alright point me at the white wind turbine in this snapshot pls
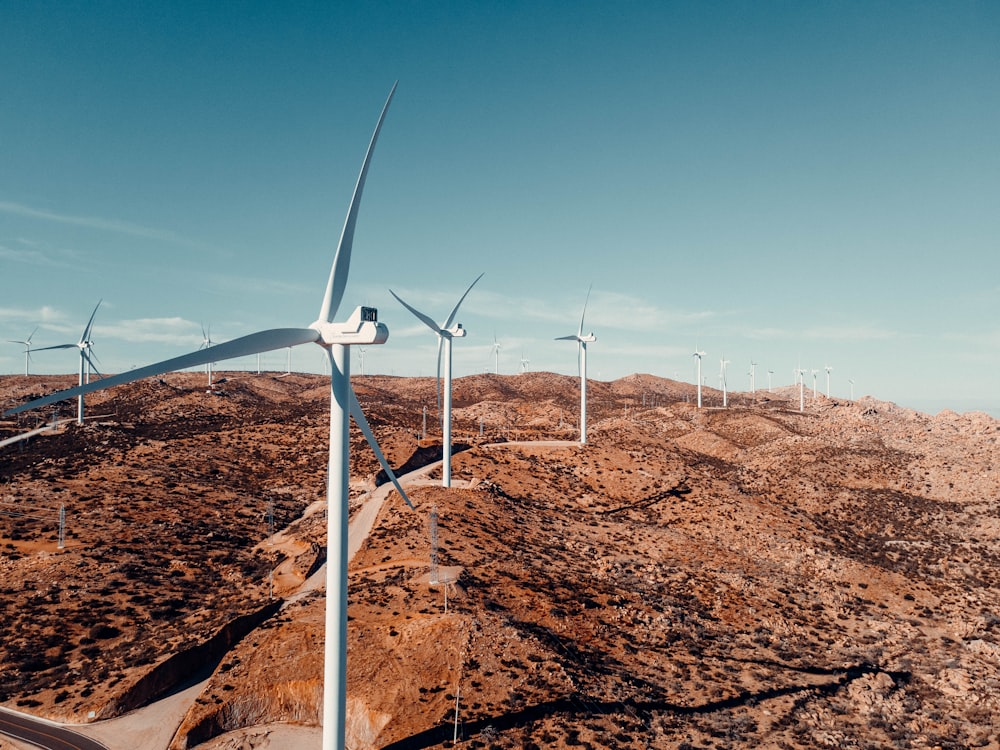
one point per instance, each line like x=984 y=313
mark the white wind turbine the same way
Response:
x=27 y=348
x=582 y=342
x=722 y=380
x=524 y=362
x=363 y=328
x=799 y=373
x=496 y=355
x=753 y=376
x=769 y=374
x=698 y=355
x=814 y=383
x=852 y=389
x=86 y=359
x=206 y=342
x=445 y=333
x=828 y=371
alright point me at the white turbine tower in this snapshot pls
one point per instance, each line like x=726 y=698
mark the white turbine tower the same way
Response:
x=361 y=328
x=445 y=333
x=524 y=362
x=27 y=348
x=698 y=355
x=722 y=380
x=814 y=383
x=582 y=342
x=769 y=374
x=852 y=389
x=753 y=376
x=799 y=372
x=828 y=371
x=86 y=359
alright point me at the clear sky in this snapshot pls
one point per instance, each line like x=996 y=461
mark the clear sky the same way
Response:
x=784 y=182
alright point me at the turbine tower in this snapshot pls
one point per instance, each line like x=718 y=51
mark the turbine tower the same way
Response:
x=86 y=359
x=524 y=362
x=852 y=389
x=799 y=372
x=445 y=333
x=582 y=342
x=753 y=376
x=698 y=355
x=361 y=328
x=828 y=371
x=27 y=349
x=814 y=383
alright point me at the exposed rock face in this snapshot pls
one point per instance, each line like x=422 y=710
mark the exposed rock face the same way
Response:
x=745 y=577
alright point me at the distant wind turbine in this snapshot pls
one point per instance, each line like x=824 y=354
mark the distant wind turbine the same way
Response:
x=206 y=342
x=814 y=383
x=445 y=333
x=852 y=389
x=753 y=376
x=524 y=362
x=27 y=348
x=496 y=355
x=361 y=328
x=698 y=355
x=828 y=370
x=582 y=342
x=85 y=344
x=769 y=374
x=722 y=380
x=802 y=398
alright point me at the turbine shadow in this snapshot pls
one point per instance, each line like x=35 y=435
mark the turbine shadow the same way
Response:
x=581 y=705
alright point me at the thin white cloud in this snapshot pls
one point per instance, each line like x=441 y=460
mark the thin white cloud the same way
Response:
x=174 y=331
x=94 y=222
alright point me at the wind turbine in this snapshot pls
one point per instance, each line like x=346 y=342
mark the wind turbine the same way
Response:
x=769 y=374
x=86 y=362
x=698 y=355
x=753 y=376
x=361 y=353
x=852 y=389
x=361 y=328
x=828 y=370
x=722 y=379
x=799 y=372
x=27 y=348
x=496 y=355
x=582 y=342
x=524 y=362
x=445 y=332
x=206 y=342
x=814 y=383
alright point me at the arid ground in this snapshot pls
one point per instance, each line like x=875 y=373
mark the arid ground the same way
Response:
x=753 y=576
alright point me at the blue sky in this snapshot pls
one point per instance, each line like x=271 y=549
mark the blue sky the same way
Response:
x=783 y=182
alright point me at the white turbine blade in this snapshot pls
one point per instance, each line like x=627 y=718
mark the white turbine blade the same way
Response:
x=337 y=282
x=574 y=337
x=366 y=430
x=263 y=341
x=86 y=331
x=580 y=333
x=454 y=312
x=57 y=346
x=90 y=361
x=437 y=377
x=425 y=319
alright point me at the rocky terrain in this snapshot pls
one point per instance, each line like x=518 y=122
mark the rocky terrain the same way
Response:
x=753 y=576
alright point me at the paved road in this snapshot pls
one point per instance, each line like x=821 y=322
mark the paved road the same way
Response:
x=43 y=734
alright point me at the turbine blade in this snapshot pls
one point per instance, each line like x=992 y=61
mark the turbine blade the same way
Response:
x=86 y=331
x=585 y=309
x=263 y=341
x=366 y=430
x=451 y=318
x=568 y=338
x=342 y=260
x=425 y=319
x=90 y=361
x=57 y=346
x=437 y=378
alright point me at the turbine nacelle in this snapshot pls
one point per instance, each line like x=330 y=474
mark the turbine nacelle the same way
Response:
x=361 y=328
x=455 y=332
